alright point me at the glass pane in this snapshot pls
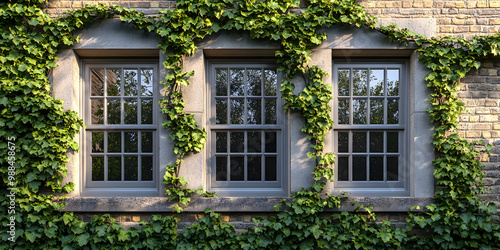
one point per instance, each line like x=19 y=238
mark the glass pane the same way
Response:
x=376 y=168
x=221 y=111
x=114 y=142
x=254 y=82
x=97 y=110
x=221 y=142
x=393 y=111
x=343 y=78
x=98 y=168
x=97 y=142
x=254 y=111
x=221 y=168
x=271 y=168
x=237 y=142
x=130 y=88
x=359 y=142
x=147 y=82
x=377 y=82
x=359 y=111
x=147 y=142
x=270 y=142
x=377 y=142
x=147 y=168
x=392 y=142
x=114 y=113
x=359 y=168
x=114 y=168
x=343 y=112
x=270 y=111
x=114 y=81
x=97 y=82
x=131 y=171
x=221 y=82
x=392 y=168
x=343 y=165
x=236 y=80
x=270 y=82
x=254 y=168
x=147 y=111
x=237 y=168
x=254 y=142
x=376 y=111
x=237 y=111
x=130 y=111
x=359 y=84
x=343 y=142
x=131 y=142
x=393 y=82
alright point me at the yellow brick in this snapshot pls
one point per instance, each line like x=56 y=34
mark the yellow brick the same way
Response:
x=406 y=4
x=428 y=3
x=495 y=21
x=380 y=5
x=471 y=5
x=488 y=118
x=460 y=5
x=446 y=29
x=486 y=134
x=482 y=4
x=155 y=5
x=136 y=218
x=473 y=134
x=449 y=4
x=495 y=4
x=458 y=21
x=496 y=126
x=418 y=5
x=475 y=29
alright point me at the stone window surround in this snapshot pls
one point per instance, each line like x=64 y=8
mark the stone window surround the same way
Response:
x=115 y=39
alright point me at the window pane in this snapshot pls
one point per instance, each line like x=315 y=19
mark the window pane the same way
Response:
x=270 y=142
x=376 y=111
x=131 y=142
x=114 y=113
x=271 y=168
x=236 y=80
x=343 y=85
x=392 y=111
x=237 y=142
x=270 y=111
x=221 y=168
x=377 y=142
x=254 y=142
x=147 y=142
x=97 y=142
x=98 y=168
x=113 y=82
x=114 y=168
x=221 y=111
x=97 y=110
x=343 y=112
x=343 y=171
x=392 y=168
x=237 y=110
x=359 y=168
x=343 y=142
x=359 y=84
x=147 y=111
x=130 y=88
x=254 y=168
x=114 y=142
x=376 y=168
x=254 y=82
x=97 y=82
x=254 y=111
x=147 y=168
x=359 y=111
x=221 y=142
x=392 y=142
x=377 y=82
x=393 y=82
x=130 y=111
x=147 y=82
x=221 y=82
x=237 y=168
x=359 y=142
x=131 y=171
x=270 y=82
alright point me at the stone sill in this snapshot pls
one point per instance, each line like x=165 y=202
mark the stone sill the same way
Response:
x=228 y=204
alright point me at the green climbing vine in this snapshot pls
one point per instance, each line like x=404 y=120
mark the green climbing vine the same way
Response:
x=37 y=133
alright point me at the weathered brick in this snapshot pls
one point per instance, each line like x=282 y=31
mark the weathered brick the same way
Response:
x=492 y=72
x=496 y=126
x=136 y=218
x=474 y=118
x=482 y=4
x=495 y=4
x=486 y=134
x=474 y=134
x=481 y=126
x=488 y=118
x=460 y=4
x=490 y=103
x=458 y=21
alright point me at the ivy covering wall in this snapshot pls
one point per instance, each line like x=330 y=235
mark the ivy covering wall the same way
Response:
x=37 y=133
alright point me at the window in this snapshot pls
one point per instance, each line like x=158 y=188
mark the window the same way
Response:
x=370 y=128
x=247 y=130
x=120 y=119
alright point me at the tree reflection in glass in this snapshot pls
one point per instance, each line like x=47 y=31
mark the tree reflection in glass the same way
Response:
x=392 y=111
x=130 y=82
x=270 y=82
x=97 y=82
x=343 y=112
x=114 y=168
x=254 y=168
x=131 y=142
x=147 y=111
x=237 y=86
x=97 y=109
x=147 y=142
x=147 y=82
x=237 y=110
x=130 y=111
x=376 y=111
x=237 y=140
x=221 y=111
x=254 y=80
x=113 y=82
x=237 y=168
x=343 y=82
x=270 y=112
x=221 y=82
x=98 y=168
x=359 y=109
x=97 y=142
x=359 y=82
x=131 y=170
x=114 y=111
x=377 y=82
x=254 y=111
x=393 y=82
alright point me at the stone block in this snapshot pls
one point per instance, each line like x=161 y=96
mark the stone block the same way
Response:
x=136 y=218
x=495 y=4
x=482 y=4
x=488 y=118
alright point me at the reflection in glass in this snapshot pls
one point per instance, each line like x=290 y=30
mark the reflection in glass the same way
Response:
x=377 y=142
x=221 y=142
x=254 y=168
x=254 y=142
x=392 y=168
x=97 y=110
x=343 y=142
x=237 y=142
x=359 y=111
x=221 y=168
x=147 y=168
x=254 y=111
x=343 y=171
x=392 y=142
x=97 y=142
x=254 y=82
x=270 y=142
x=236 y=80
x=221 y=82
x=114 y=168
x=97 y=82
x=98 y=168
x=359 y=82
x=237 y=110
x=114 y=111
x=376 y=111
x=377 y=82
x=270 y=168
x=393 y=82
x=343 y=85
x=147 y=82
x=114 y=142
x=113 y=82
x=221 y=111
x=130 y=111
x=147 y=111
x=131 y=170
x=392 y=111
x=359 y=168
x=131 y=142
x=237 y=168
x=270 y=82
x=130 y=86
x=147 y=142
x=359 y=142
x=376 y=168
x=270 y=111
x=343 y=112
